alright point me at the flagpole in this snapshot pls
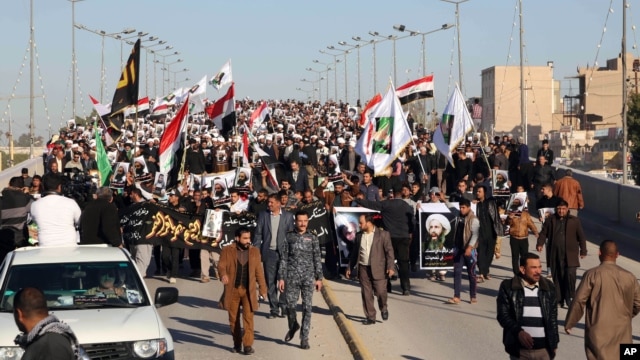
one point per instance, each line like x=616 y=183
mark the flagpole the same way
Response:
x=186 y=145
x=135 y=135
x=408 y=129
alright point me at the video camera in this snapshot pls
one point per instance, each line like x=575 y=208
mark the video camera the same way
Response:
x=78 y=186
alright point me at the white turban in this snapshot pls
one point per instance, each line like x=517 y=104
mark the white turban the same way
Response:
x=446 y=225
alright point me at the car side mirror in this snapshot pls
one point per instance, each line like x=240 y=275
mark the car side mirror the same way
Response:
x=165 y=296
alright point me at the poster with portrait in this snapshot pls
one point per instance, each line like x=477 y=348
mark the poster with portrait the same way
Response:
x=119 y=177
x=195 y=182
x=160 y=182
x=333 y=169
x=213 y=223
x=517 y=203
x=436 y=237
x=500 y=182
x=242 y=178
x=353 y=113
x=544 y=213
x=346 y=222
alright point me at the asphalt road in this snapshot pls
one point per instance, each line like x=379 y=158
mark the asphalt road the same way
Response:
x=200 y=329
x=420 y=326
x=423 y=326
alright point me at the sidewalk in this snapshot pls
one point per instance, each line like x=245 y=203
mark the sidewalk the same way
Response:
x=423 y=326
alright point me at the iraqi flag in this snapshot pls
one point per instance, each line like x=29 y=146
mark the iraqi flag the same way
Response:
x=259 y=115
x=103 y=110
x=160 y=107
x=143 y=105
x=386 y=134
x=416 y=90
x=171 y=144
x=371 y=105
x=223 y=112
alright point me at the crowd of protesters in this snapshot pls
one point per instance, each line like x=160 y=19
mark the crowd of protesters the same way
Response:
x=311 y=151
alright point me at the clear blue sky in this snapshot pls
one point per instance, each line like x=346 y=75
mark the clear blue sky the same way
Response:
x=271 y=43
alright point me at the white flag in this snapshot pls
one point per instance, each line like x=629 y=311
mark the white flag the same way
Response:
x=455 y=125
x=196 y=94
x=200 y=88
x=223 y=77
x=386 y=134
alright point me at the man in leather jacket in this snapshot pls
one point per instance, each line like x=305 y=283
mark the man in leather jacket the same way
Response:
x=490 y=229
x=526 y=335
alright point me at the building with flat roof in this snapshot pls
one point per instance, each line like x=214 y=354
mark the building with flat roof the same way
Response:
x=501 y=101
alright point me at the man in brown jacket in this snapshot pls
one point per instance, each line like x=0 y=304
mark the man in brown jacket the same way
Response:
x=373 y=253
x=569 y=189
x=611 y=297
x=519 y=225
x=567 y=246
x=240 y=268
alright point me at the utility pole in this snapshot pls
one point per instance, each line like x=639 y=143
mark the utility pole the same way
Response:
x=625 y=135
x=31 y=102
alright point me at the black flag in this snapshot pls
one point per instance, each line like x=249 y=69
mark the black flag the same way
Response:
x=127 y=90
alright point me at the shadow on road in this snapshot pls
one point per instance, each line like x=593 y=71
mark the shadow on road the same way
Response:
x=196 y=302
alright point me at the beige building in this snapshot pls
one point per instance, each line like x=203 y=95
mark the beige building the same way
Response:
x=501 y=101
x=601 y=94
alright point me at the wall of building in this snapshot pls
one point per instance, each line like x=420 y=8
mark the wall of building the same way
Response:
x=501 y=100
x=602 y=90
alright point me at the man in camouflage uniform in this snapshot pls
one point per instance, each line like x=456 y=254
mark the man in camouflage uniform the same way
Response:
x=301 y=270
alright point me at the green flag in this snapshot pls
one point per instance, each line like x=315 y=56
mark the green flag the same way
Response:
x=104 y=168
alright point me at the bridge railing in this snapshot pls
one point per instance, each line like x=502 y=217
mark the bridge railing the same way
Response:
x=609 y=199
x=35 y=166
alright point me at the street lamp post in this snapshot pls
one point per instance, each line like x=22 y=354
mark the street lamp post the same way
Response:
x=319 y=82
x=402 y=28
x=313 y=85
x=357 y=38
x=175 y=73
x=156 y=61
x=167 y=68
x=457 y=3
x=149 y=48
x=345 y=52
x=307 y=92
x=328 y=68
x=335 y=73
x=146 y=60
x=74 y=63
x=164 y=65
x=392 y=38
x=140 y=34
x=178 y=83
x=103 y=34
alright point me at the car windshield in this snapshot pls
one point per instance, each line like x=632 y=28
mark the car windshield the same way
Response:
x=77 y=285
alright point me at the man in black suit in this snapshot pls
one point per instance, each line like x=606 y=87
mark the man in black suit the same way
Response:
x=88 y=163
x=298 y=178
x=273 y=225
x=99 y=223
x=373 y=253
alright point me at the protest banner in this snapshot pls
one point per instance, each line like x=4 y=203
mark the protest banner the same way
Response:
x=437 y=236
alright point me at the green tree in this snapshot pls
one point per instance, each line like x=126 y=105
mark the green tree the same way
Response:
x=633 y=129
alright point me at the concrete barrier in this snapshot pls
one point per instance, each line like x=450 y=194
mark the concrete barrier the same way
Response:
x=35 y=166
x=614 y=202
